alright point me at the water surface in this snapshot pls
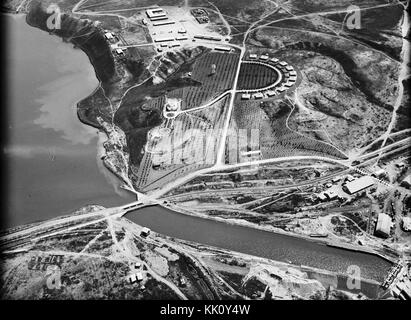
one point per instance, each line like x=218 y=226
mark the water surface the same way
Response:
x=52 y=157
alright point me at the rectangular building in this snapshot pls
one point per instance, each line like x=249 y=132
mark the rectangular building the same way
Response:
x=225 y=49
x=246 y=96
x=163 y=23
x=359 y=184
x=253 y=56
x=155 y=13
x=165 y=39
x=258 y=95
x=264 y=57
x=384 y=224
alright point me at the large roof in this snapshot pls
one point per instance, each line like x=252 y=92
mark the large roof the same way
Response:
x=383 y=224
x=359 y=184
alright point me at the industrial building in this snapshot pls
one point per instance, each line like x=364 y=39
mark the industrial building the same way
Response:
x=359 y=184
x=384 y=224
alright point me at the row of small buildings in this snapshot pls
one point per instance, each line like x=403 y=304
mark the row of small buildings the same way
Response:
x=288 y=73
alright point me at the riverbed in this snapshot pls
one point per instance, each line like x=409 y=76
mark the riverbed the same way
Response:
x=53 y=159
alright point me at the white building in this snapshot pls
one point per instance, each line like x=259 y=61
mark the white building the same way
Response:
x=145 y=231
x=359 y=184
x=406 y=224
x=258 y=95
x=253 y=56
x=246 y=96
x=109 y=36
x=264 y=57
x=155 y=13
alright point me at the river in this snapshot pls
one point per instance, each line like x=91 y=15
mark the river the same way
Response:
x=260 y=243
x=53 y=163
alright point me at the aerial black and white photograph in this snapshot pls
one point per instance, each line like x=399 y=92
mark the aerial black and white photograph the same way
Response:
x=219 y=150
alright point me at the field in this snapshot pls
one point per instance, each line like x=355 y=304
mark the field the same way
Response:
x=254 y=76
x=276 y=139
x=211 y=85
x=191 y=145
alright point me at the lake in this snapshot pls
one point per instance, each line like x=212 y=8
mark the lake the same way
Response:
x=53 y=159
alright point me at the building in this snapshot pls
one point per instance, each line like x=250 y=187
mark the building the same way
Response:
x=182 y=31
x=322 y=197
x=383 y=227
x=258 y=95
x=264 y=57
x=145 y=232
x=406 y=223
x=174 y=44
x=156 y=13
x=253 y=56
x=292 y=78
x=293 y=73
x=163 y=23
x=270 y=93
x=132 y=278
x=331 y=194
x=289 y=68
x=406 y=182
x=164 y=39
x=139 y=276
x=181 y=38
x=119 y=52
x=283 y=63
x=109 y=36
x=246 y=96
x=225 y=49
x=359 y=184
x=379 y=173
x=173 y=104
x=275 y=60
x=349 y=178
